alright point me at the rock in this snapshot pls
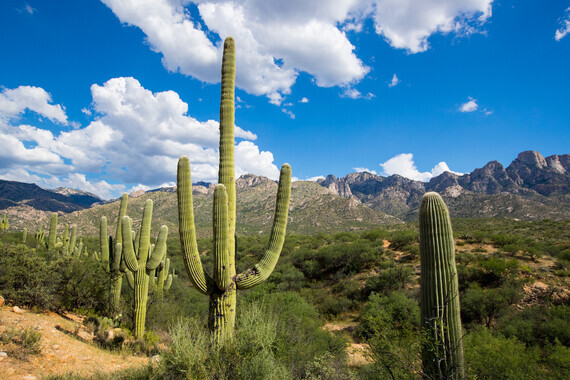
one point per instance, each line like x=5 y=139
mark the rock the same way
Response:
x=155 y=360
x=29 y=377
x=17 y=310
x=3 y=355
x=1 y=301
x=55 y=346
x=136 y=194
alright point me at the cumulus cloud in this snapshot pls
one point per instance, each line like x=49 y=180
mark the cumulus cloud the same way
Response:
x=361 y=170
x=394 y=81
x=564 y=26
x=315 y=178
x=403 y=164
x=135 y=138
x=407 y=24
x=304 y=100
x=288 y=113
x=276 y=40
x=469 y=106
x=353 y=93
x=13 y=102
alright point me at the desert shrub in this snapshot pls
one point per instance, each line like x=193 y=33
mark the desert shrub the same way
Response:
x=479 y=305
x=388 y=280
x=22 y=343
x=390 y=324
x=400 y=239
x=538 y=325
x=489 y=356
x=84 y=285
x=287 y=277
x=375 y=235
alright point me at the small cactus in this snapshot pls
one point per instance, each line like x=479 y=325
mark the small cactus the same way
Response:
x=442 y=350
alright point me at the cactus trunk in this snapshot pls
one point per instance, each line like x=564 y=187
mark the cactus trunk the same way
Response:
x=442 y=350
x=52 y=231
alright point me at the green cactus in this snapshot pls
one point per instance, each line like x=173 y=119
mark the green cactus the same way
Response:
x=161 y=279
x=40 y=237
x=442 y=348
x=72 y=241
x=111 y=255
x=223 y=285
x=4 y=224
x=24 y=235
x=65 y=240
x=52 y=238
x=141 y=258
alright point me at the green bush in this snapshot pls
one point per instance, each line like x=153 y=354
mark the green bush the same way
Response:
x=390 y=279
x=489 y=356
x=538 y=325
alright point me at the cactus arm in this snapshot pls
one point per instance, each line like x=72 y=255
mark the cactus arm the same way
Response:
x=221 y=243
x=122 y=212
x=73 y=239
x=262 y=270
x=24 y=235
x=104 y=241
x=117 y=255
x=144 y=233
x=128 y=249
x=130 y=279
x=187 y=230
x=159 y=251
x=168 y=282
x=440 y=314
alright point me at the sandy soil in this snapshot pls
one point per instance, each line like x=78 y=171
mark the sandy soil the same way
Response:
x=62 y=352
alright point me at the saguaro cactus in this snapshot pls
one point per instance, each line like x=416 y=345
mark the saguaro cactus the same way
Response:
x=4 y=224
x=442 y=350
x=24 y=235
x=111 y=255
x=161 y=279
x=52 y=238
x=223 y=285
x=141 y=258
x=40 y=237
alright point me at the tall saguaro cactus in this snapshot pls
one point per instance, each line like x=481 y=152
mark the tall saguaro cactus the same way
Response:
x=141 y=258
x=111 y=255
x=442 y=350
x=52 y=238
x=222 y=286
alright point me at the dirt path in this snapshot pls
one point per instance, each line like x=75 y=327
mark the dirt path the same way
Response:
x=61 y=352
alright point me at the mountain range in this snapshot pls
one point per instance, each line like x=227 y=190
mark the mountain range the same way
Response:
x=530 y=188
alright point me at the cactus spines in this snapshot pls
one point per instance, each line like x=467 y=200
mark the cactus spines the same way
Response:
x=222 y=285
x=442 y=351
x=142 y=258
x=52 y=238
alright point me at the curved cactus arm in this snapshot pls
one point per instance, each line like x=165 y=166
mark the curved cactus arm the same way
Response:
x=262 y=270
x=104 y=240
x=192 y=261
x=221 y=244
x=128 y=249
x=168 y=282
x=130 y=279
x=159 y=251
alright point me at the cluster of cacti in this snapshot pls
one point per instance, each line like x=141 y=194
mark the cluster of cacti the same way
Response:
x=141 y=258
x=442 y=347
x=222 y=286
x=4 y=224
x=111 y=256
x=40 y=236
x=65 y=244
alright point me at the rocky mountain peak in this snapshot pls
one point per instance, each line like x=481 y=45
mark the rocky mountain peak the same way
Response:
x=248 y=180
x=531 y=158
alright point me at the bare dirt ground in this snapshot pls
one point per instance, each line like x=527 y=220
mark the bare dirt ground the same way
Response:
x=61 y=351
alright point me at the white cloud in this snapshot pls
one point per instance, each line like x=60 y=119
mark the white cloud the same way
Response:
x=13 y=102
x=394 y=81
x=403 y=164
x=361 y=170
x=304 y=100
x=288 y=113
x=564 y=26
x=136 y=138
x=353 y=93
x=293 y=32
x=407 y=24
x=315 y=178
x=469 y=106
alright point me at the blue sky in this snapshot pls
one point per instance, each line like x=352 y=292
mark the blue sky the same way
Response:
x=105 y=95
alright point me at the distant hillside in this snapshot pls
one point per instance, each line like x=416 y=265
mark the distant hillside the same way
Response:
x=14 y=193
x=531 y=187
x=313 y=209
